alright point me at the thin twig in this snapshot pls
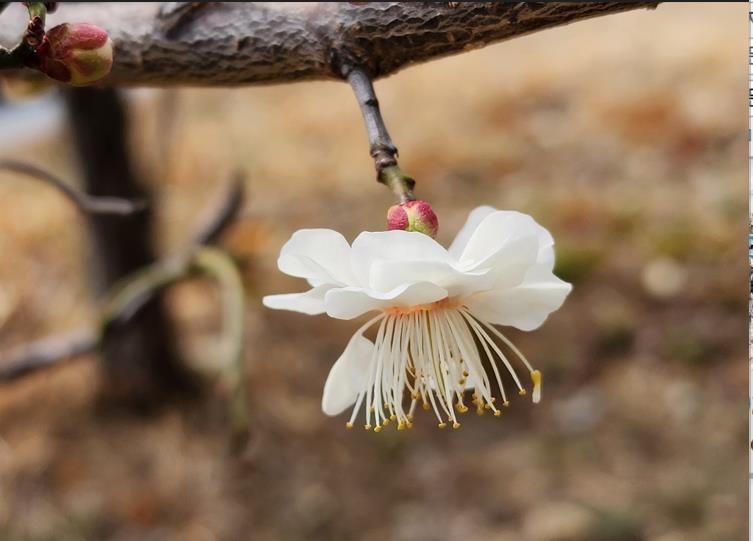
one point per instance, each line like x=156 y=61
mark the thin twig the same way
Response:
x=381 y=147
x=87 y=204
x=224 y=214
x=44 y=353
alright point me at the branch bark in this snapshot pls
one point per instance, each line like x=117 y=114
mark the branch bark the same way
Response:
x=235 y=43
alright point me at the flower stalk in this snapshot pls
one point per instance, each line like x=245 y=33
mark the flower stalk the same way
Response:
x=381 y=147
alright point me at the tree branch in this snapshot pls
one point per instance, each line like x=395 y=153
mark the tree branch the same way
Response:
x=127 y=297
x=45 y=353
x=234 y=43
x=86 y=204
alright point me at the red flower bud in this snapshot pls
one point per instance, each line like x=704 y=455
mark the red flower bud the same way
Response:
x=78 y=54
x=413 y=216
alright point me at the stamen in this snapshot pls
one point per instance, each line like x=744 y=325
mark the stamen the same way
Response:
x=536 y=379
x=433 y=353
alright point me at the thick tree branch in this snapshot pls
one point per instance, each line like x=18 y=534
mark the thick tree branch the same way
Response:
x=229 y=43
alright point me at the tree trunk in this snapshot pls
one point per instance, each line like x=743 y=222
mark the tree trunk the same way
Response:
x=141 y=365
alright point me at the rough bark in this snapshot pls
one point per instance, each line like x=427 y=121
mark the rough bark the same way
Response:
x=140 y=363
x=234 y=43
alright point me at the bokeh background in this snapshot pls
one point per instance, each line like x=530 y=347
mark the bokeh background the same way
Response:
x=624 y=135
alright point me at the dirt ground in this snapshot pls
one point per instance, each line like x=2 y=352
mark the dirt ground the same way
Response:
x=625 y=136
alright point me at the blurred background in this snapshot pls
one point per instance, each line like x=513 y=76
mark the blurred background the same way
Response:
x=624 y=135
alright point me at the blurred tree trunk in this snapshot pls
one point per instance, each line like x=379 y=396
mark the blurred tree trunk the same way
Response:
x=140 y=361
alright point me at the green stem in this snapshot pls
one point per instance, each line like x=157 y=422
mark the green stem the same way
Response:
x=37 y=9
x=397 y=181
x=220 y=266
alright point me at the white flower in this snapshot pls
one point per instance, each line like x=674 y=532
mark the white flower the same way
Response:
x=436 y=312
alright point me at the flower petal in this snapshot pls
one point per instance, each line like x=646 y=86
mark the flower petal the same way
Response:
x=387 y=275
x=461 y=239
x=311 y=302
x=496 y=230
x=525 y=306
x=512 y=261
x=348 y=376
x=402 y=246
x=319 y=255
x=350 y=302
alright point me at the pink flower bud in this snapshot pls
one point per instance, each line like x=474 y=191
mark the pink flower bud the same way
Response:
x=413 y=216
x=75 y=53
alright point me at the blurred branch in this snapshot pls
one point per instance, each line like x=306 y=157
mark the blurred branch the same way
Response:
x=132 y=293
x=224 y=214
x=87 y=204
x=231 y=43
x=44 y=353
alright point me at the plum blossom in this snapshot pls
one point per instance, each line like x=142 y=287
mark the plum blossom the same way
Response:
x=435 y=313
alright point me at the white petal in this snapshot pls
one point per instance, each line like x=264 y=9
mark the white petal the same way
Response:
x=311 y=302
x=511 y=263
x=319 y=255
x=461 y=239
x=350 y=302
x=348 y=376
x=498 y=229
x=525 y=306
x=405 y=246
x=387 y=275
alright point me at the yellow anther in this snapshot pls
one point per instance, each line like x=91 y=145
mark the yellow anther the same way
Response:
x=415 y=396
x=409 y=416
x=385 y=422
x=522 y=392
x=497 y=413
x=442 y=425
x=348 y=425
x=367 y=427
x=462 y=408
x=465 y=373
x=455 y=425
x=487 y=406
x=378 y=428
x=401 y=425
x=461 y=381
x=506 y=403
x=393 y=417
x=426 y=406
x=536 y=379
x=409 y=425
x=479 y=411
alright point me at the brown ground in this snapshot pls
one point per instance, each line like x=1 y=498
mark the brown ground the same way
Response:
x=625 y=136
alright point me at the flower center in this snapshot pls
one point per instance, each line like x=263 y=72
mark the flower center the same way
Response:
x=437 y=305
